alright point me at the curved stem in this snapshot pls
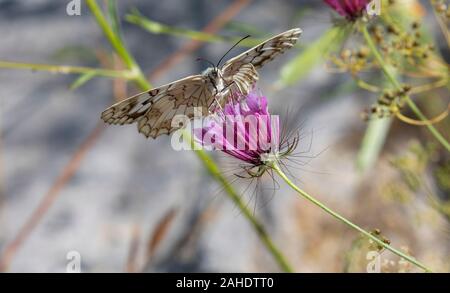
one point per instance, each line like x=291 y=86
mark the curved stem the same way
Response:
x=430 y=86
x=64 y=69
x=367 y=86
x=118 y=45
x=397 y=85
x=433 y=120
x=347 y=222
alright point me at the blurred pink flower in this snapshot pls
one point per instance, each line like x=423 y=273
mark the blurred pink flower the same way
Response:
x=350 y=9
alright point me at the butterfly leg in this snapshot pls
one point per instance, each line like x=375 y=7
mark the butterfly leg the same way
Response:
x=226 y=90
x=218 y=104
x=222 y=94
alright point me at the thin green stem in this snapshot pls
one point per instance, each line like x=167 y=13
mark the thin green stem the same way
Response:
x=367 y=86
x=347 y=222
x=372 y=143
x=390 y=76
x=63 y=69
x=210 y=166
x=234 y=196
x=441 y=23
x=159 y=28
x=118 y=45
x=430 y=86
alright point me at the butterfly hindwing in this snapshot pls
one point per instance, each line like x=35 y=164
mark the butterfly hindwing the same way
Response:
x=153 y=110
x=244 y=78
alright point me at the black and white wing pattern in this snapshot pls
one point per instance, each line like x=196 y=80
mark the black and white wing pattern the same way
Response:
x=153 y=110
x=241 y=70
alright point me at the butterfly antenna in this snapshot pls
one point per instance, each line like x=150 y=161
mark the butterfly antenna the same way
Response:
x=229 y=50
x=207 y=61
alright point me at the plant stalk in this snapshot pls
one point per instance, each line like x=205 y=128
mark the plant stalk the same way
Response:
x=63 y=69
x=337 y=216
x=118 y=45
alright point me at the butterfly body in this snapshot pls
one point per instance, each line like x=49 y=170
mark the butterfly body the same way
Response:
x=213 y=77
x=154 y=110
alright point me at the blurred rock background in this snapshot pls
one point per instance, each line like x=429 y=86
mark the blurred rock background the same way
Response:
x=135 y=204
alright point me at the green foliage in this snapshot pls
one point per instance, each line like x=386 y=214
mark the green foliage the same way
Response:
x=114 y=18
x=442 y=174
x=412 y=164
x=312 y=55
x=81 y=80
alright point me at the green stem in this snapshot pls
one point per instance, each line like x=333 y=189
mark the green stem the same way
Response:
x=372 y=143
x=62 y=69
x=158 y=28
x=390 y=76
x=118 y=45
x=206 y=160
x=234 y=196
x=347 y=222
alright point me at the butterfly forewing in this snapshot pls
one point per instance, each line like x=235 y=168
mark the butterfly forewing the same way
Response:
x=257 y=57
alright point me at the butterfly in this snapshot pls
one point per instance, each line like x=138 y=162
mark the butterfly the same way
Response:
x=154 y=110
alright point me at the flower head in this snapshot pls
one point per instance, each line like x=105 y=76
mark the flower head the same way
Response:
x=350 y=9
x=245 y=130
